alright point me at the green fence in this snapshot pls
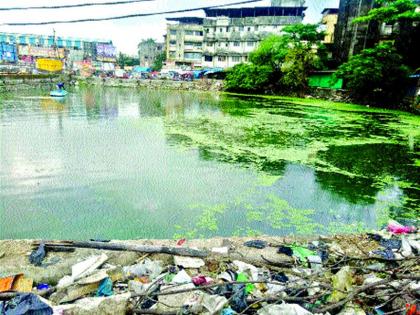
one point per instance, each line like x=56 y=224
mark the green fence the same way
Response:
x=325 y=80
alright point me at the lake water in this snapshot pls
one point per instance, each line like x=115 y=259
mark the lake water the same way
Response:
x=125 y=163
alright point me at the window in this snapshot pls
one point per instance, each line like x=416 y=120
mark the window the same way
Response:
x=250 y=44
x=221 y=30
x=209 y=44
x=188 y=32
x=192 y=56
x=249 y=29
x=241 y=28
x=220 y=44
x=227 y=29
x=227 y=44
x=172 y=42
x=236 y=44
x=208 y=58
x=198 y=33
x=207 y=30
x=236 y=58
x=68 y=43
x=256 y=27
x=172 y=54
x=173 y=32
x=221 y=58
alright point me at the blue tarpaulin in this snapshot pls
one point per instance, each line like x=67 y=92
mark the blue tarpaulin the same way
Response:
x=141 y=69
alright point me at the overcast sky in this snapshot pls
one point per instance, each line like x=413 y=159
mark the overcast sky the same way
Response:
x=124 y=33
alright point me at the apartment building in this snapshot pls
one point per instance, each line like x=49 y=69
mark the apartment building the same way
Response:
x=148 y=51
x=226 y=36
x=184 y=42
x=230 y=34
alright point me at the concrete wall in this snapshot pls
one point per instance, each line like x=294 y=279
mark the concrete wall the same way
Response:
x=196 y=85
x=16 y=83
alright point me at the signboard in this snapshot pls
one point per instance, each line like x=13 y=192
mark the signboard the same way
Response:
x=50 y=65
x=27 y=59
x=106 y=52
x=41 y=51
x=8 y=52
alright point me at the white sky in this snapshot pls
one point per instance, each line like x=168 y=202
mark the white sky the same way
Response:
x=124 y=33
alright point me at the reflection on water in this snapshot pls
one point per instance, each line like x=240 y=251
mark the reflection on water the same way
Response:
x=112 y=163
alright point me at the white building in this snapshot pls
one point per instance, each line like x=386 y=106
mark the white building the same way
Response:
x=230 y=34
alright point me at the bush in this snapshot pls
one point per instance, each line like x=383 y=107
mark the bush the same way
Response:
x=376 y=76
x=248 y=78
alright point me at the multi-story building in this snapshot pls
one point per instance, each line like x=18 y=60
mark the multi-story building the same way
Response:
x=350 y=38
x=148 y=50
x=329 y=20
x=184 y=42
x=226 y=36
x=230 y=34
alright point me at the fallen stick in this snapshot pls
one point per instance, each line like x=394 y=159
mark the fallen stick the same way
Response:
x=181 y=251
x=352 y=295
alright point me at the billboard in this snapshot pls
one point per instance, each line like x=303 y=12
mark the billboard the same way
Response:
x=106 y=52
x=35 y=51
x=50 y=65
x=8 y=52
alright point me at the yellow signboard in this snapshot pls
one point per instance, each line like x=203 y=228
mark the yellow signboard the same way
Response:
x=50 y=65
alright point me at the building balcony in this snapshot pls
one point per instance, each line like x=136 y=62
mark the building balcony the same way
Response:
x=193 y=38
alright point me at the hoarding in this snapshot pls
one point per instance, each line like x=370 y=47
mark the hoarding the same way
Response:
x=8 y=52
x=106 y=52
x=51 y=65
x=35 y=51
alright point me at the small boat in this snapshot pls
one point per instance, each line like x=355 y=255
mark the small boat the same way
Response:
x=58 y=93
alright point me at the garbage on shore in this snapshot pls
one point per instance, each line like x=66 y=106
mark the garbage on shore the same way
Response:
x=374 y=273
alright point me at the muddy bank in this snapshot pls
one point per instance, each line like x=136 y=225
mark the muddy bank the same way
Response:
x=351 y=274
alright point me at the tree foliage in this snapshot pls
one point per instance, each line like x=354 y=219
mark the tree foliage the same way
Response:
x=295 y=69
x=285 y=61
x=376 y=76
x=125 y=60
x=158 y=63
x=391 y=11
x=248 y=77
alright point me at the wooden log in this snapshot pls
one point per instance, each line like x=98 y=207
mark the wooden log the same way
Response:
x=181 y=251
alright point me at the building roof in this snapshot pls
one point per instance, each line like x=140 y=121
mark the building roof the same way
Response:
x=255 y=12
x=330 y=11
x=187 y=20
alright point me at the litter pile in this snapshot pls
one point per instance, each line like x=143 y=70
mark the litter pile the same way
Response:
x=374 y=273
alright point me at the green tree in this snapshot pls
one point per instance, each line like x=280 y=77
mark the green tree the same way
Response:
x=291 y=56
x=376 y=76
x=158 y=64
x=402 y=14
x=299 y=61
x=391 y=11
x=125 y=60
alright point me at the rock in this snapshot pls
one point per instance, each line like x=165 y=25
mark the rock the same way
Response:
x=188 y=262
x=112 y=305
x=283 y=309
x=173 y=302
